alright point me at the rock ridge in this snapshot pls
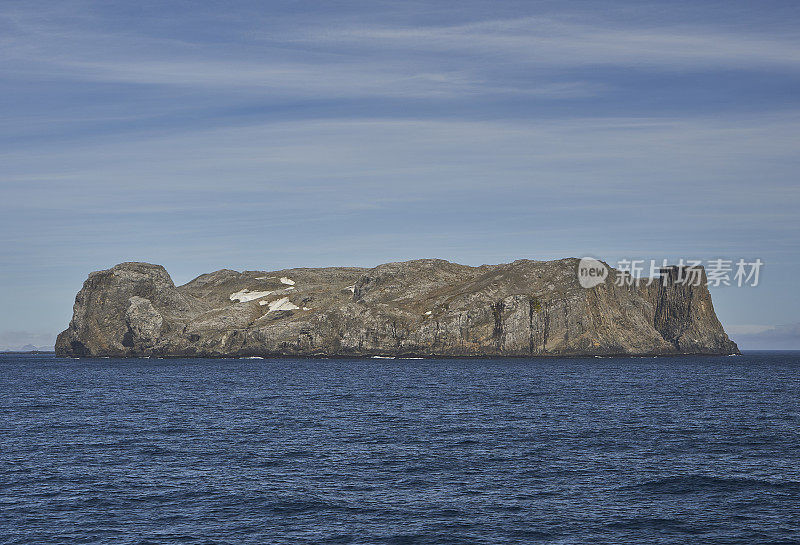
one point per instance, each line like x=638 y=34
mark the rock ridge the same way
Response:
x=425 y=307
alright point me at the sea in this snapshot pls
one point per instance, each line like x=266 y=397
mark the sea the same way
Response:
x=400 y=451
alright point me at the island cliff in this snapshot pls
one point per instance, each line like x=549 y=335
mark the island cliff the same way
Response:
x=425 y=307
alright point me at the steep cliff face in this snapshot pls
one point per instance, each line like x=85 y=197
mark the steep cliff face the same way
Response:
x=684 y=315
x=423 y=307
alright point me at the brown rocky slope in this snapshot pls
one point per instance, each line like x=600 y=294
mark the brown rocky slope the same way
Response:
x=425 y=307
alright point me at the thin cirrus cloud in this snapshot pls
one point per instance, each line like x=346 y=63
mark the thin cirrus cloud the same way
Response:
x=312 y=80
x=553 y=43
x=431 y=61
x=302 y=177
x=618 y=150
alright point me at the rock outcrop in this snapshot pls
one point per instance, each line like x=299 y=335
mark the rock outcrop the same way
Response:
x=425 y=307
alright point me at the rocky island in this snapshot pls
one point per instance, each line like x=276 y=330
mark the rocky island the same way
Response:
x=427 y=307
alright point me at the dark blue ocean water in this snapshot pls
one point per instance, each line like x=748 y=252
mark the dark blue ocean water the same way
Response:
x=665 y=450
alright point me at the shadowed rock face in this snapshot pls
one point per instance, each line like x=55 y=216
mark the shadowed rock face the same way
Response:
x=425 y=307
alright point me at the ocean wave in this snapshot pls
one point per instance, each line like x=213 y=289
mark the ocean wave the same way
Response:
x=688 y=484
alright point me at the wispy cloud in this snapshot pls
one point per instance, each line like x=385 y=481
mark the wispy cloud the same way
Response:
x=606 y=154
x=535 y=56
x=563 y=43
x=40 y=48
x=312 y=80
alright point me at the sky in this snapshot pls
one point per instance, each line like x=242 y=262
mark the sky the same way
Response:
x=267 y=135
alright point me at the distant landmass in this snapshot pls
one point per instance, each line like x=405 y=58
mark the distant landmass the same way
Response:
x=26 y=348
x=425 y=308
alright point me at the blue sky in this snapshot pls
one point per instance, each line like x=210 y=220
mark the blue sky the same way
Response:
x=264 y=135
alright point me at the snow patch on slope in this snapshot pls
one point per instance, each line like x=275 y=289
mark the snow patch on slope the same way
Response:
x=247 y=295
x=280 y=304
